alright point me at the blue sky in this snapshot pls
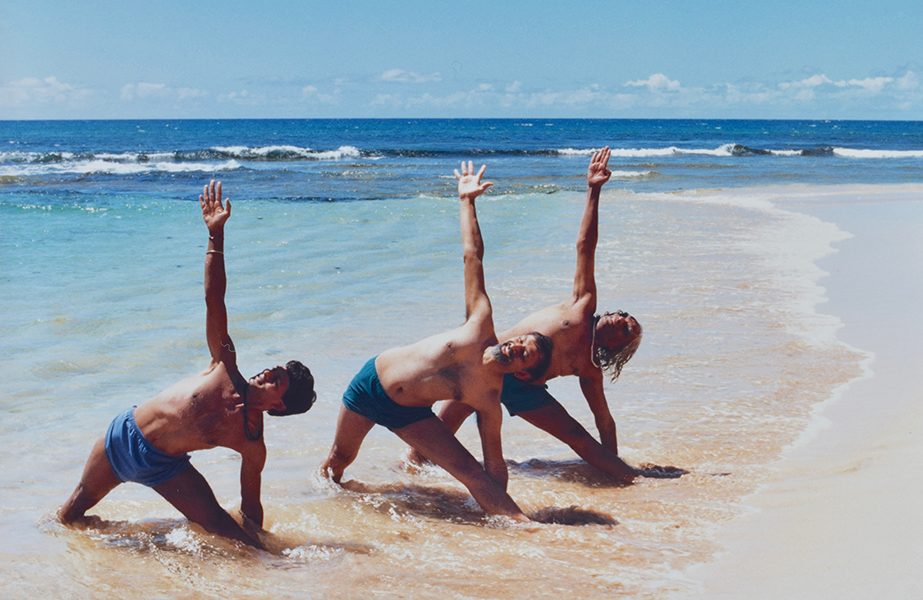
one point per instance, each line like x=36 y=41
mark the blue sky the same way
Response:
x=615 y=59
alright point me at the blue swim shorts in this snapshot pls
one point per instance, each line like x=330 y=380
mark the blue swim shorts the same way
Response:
x=133 y=458
x=520 y=396
x=366 y=396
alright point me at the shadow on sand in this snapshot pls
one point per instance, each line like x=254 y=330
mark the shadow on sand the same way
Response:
x=185 y=537
x=577 y=471
x=439 y=503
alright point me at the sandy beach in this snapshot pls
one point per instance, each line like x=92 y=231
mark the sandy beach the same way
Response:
x=839 y=517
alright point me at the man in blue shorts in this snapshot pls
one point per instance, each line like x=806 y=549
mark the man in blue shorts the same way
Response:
x=149 y=444
x=398 y=388
x=587 y=345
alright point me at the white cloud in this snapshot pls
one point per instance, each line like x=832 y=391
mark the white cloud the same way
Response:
x=190 y=93
x=656 y=83
x=401 y=76
x=747 y=94
x=872 y=84
x=910 y=81
x=809 y=83
x=32 y=90
x=386 y=100
x=243 y=98
x=514 y=87
x=456 y=99
x=144 y=90
x=310 y=93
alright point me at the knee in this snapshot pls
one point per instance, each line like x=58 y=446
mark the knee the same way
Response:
x=217 y=521
x=77 y=505
x=339 y=458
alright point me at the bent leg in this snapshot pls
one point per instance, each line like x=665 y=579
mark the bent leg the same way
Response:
x=351 y=430
x=190 y=494
x=96 y=481
x=434 y=440
x=554 y=419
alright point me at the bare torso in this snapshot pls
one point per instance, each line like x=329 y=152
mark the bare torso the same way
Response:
x=447 y=365
x=200 y=412
x=569 y=325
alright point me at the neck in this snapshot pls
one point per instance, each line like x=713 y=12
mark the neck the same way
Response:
x=250 y=435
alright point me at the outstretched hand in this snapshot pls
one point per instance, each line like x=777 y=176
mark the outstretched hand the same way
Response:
x=214 y=213
x=599 y=173
x=469 y=183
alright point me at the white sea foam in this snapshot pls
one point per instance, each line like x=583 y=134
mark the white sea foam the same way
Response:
x=295 y=151
x=631 y=174
x=724 y=150
x=100 y=166
x=852 y=153
x=577 y=151
x=789 y=247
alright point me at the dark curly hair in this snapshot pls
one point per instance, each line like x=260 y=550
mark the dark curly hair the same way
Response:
x=300 y=395
x=545 y=347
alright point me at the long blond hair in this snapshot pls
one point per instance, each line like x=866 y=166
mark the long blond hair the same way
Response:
x=611 y=360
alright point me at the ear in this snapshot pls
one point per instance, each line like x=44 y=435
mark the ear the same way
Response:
x=522 y=376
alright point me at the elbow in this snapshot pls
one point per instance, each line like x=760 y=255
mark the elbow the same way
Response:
x=473 y=255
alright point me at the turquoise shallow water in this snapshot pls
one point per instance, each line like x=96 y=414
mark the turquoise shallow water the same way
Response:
x=102 y=307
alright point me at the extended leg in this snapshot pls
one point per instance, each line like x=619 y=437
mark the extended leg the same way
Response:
x=190 y=494
x=554 y=419
x=433 y=439
x=453 y=414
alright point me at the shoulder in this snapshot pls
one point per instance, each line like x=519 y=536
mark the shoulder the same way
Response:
x=249 y=449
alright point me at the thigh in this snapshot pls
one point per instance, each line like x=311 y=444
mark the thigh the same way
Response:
x=436 y=442
x=97 y=480
x=554 y=419
x=351 y=431
x=190 y=494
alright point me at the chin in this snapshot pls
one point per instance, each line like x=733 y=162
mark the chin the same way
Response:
x=498 y=355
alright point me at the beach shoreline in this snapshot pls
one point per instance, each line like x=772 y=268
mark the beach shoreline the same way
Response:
x=837 y=518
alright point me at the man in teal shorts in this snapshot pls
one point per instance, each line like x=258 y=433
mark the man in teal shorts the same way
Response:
x=587 y=345
x=398 y=388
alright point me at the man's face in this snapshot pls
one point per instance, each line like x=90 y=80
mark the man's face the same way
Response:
x=520 y=352
x=616 y=330
x=267 y=389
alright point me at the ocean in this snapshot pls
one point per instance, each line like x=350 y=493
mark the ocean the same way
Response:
x=343 y=242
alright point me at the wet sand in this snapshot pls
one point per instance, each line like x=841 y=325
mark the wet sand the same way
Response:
x=839 y=518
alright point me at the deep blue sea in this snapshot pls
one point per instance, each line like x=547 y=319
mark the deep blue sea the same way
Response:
x=335 y=160
x=344 y=242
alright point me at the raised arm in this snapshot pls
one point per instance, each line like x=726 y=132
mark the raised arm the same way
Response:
x=597 y=174
x=216 y=215
x=469 y=188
